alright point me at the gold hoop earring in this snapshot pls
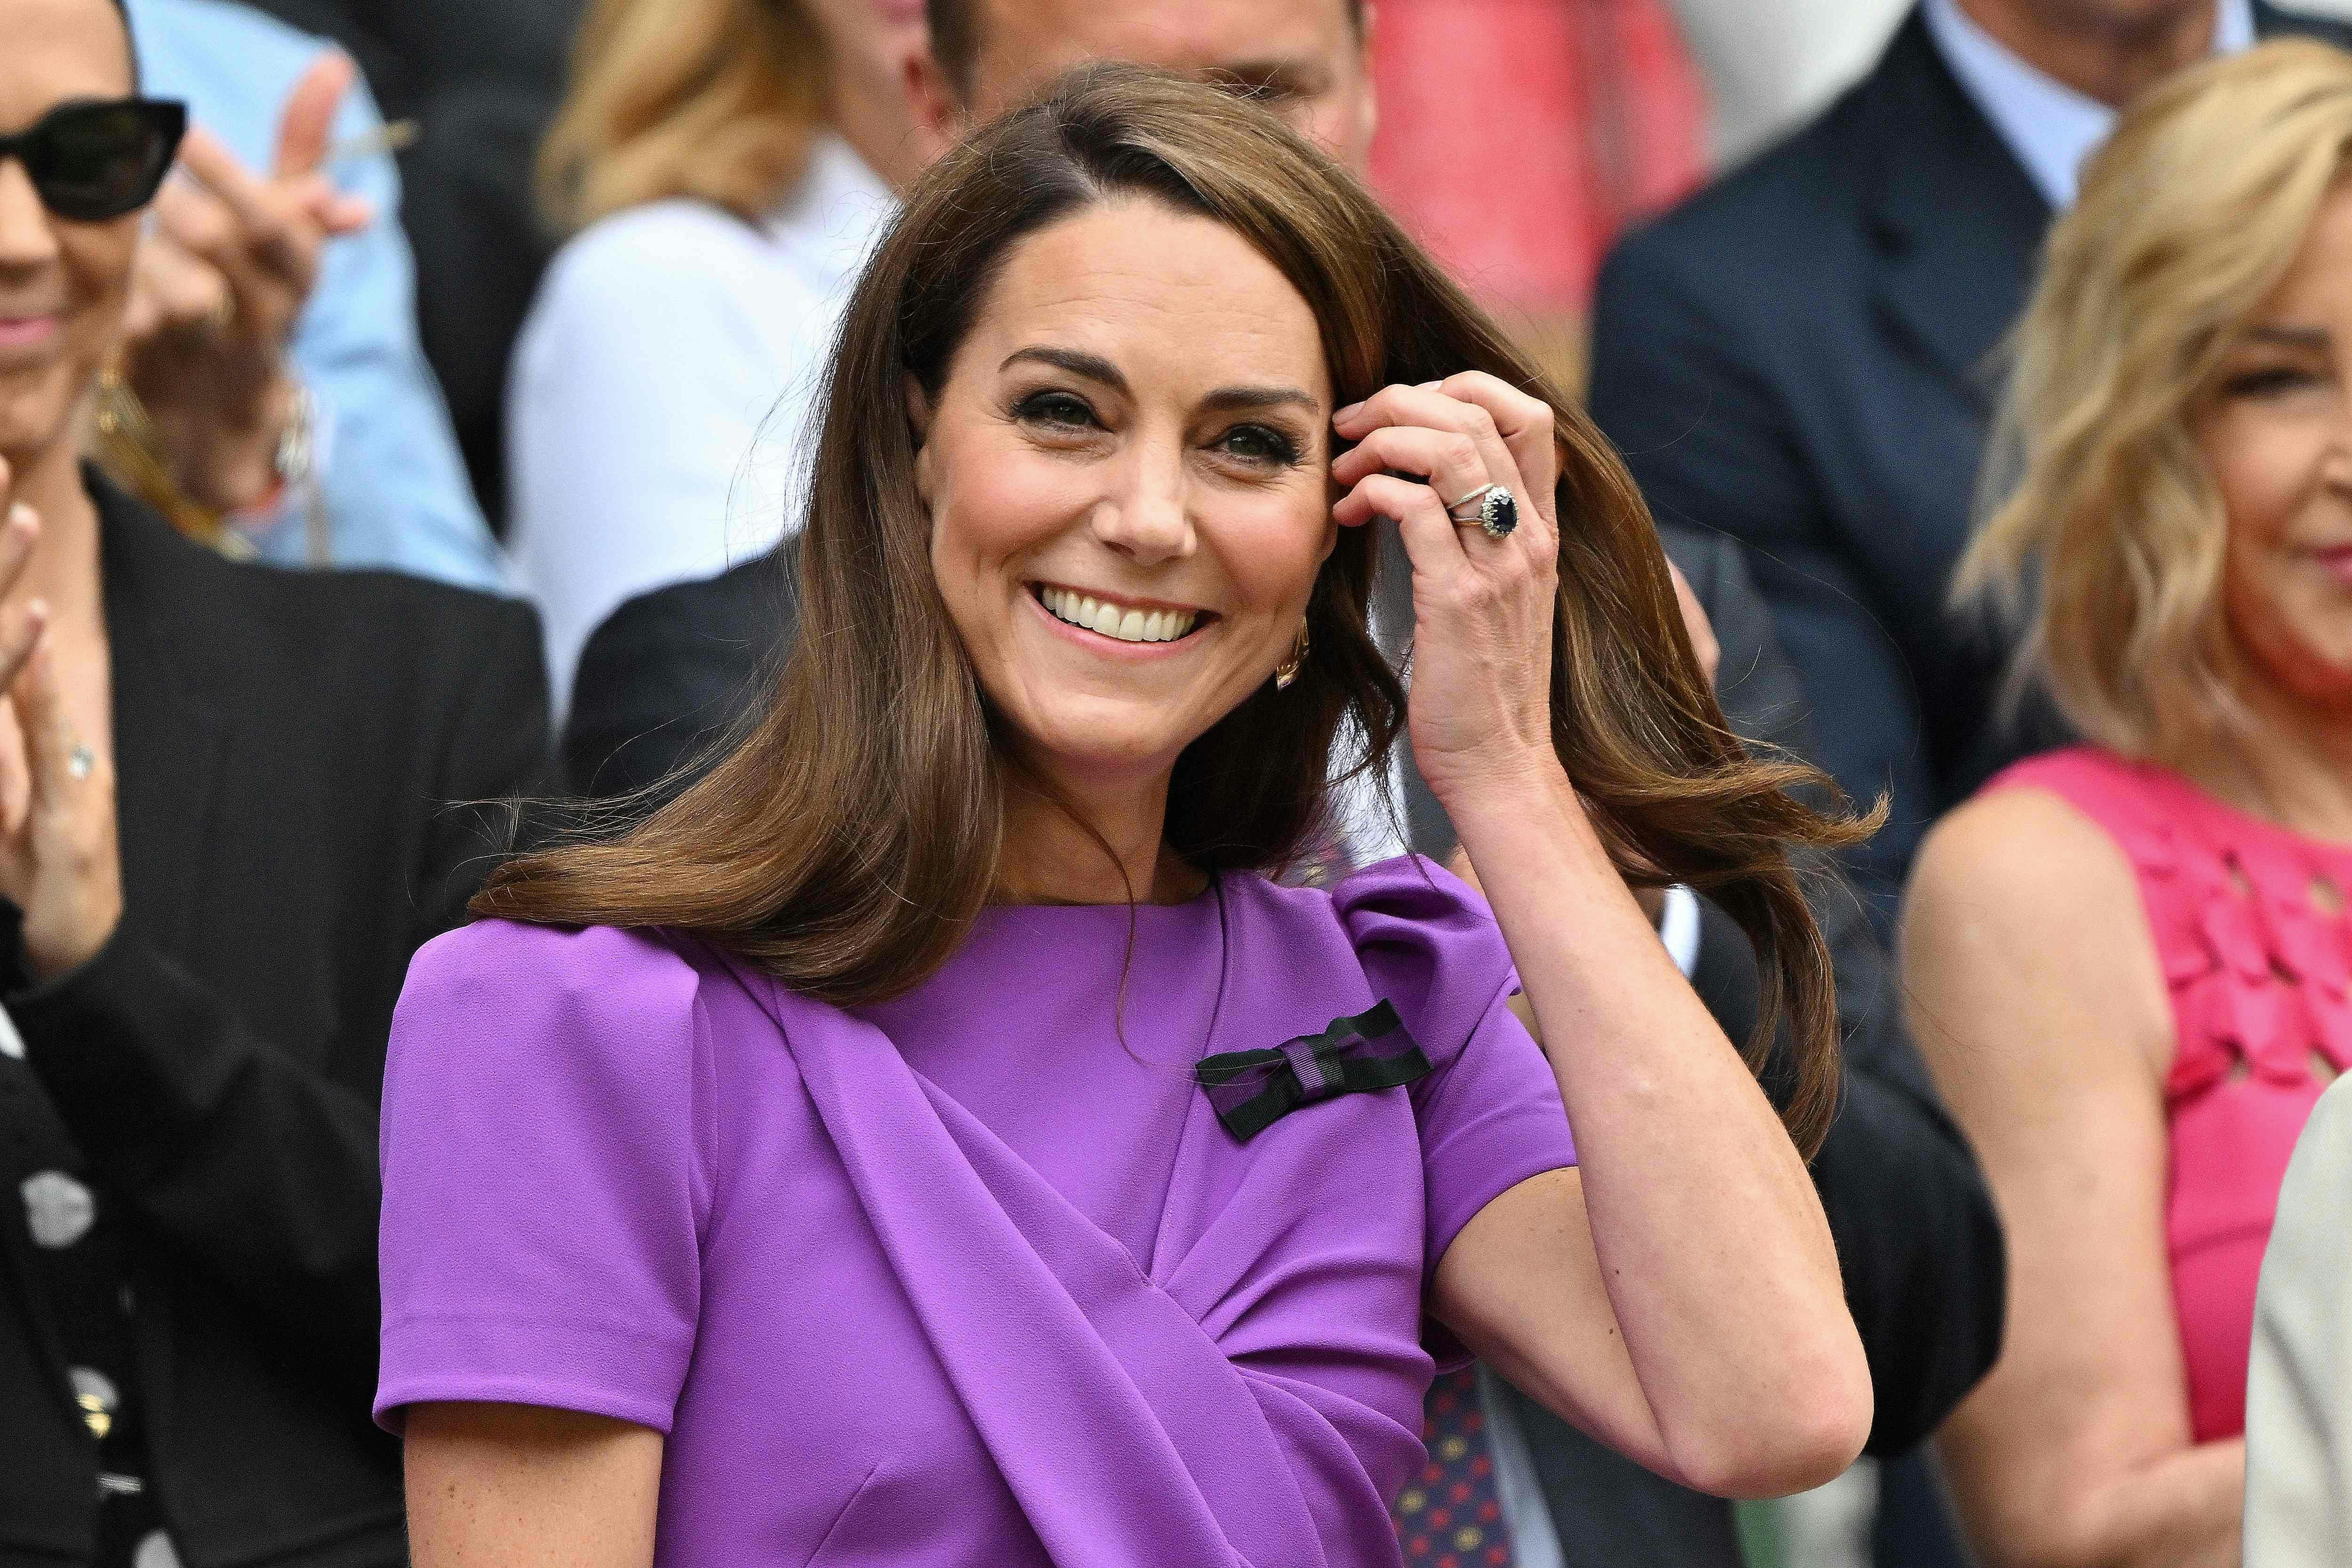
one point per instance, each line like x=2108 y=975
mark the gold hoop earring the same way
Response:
x=1288 y=670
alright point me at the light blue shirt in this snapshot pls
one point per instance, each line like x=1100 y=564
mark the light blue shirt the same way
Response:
x=2050 y=126
x=393 y=488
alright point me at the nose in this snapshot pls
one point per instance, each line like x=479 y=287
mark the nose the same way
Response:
x=1146 y=517
x=28 y=236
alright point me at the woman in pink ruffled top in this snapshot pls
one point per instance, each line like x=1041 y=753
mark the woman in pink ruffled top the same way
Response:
x=2128 y=959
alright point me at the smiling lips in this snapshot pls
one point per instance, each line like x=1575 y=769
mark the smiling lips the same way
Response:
x=1124 y=623
x=27 y=330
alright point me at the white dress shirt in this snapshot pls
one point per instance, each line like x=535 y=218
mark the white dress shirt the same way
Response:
x=657 y=411
x=2050 y=126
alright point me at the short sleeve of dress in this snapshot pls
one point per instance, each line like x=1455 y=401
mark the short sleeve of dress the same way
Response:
x=547 y=1117
x=1489 y=1109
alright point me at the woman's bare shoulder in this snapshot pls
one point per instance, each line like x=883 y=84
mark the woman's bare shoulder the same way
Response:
x=2024 y=906
x=2028 y=851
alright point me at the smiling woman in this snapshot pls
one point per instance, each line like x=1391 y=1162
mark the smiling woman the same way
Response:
x=188 y=747
x=937 y=1111
x=2127 y=958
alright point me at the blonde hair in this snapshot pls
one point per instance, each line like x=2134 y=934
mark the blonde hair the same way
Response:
x=717 y=100
x=2187 y=219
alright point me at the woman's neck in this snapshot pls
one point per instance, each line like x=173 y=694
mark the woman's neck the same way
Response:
x=2110 y=61
x=1050 y=856
x=2291 y=766
x=64 y=569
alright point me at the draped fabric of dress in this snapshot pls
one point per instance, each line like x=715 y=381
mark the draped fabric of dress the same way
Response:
x=974 y=1276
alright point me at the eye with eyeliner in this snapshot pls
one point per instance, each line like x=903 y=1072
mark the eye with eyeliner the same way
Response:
x=1263 y=445
x=1056 y=411
x=2268 y=380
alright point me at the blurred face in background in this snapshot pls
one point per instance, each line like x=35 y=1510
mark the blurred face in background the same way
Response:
x=63 y=285
x=1308 y=59
x=2277 y=433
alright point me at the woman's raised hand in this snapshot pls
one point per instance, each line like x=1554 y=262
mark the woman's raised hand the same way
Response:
x=1482 y=607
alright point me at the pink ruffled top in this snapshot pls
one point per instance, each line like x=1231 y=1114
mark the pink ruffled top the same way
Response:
x=2250 y=928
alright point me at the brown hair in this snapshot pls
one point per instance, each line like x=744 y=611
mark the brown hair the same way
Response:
x=2189 y=218
x=849 y=839
x=955 y=36
x=717 y=100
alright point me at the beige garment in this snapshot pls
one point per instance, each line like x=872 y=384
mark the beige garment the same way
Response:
x=2299 y=1385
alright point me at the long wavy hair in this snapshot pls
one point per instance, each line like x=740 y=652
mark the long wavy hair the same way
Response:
x=717 y=100
x=2104 y=536
x=852 y=834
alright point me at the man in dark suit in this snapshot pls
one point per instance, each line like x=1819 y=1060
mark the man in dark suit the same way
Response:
x=1797 y=357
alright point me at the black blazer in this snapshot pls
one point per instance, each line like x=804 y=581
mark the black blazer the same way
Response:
x=1913 y=1220
x=1797 y=357
x=287 y=745
x=667 y=673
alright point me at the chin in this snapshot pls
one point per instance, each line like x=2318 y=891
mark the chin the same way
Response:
x=33 y=418
x=1084 y=745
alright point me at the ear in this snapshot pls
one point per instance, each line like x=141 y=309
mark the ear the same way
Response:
x=933 y=103
x=919 y=424
x=1368 y=112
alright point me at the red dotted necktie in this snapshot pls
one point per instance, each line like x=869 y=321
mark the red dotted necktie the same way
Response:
x=1451 y=1516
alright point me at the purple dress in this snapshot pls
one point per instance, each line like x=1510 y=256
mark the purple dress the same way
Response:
x=966 y=1277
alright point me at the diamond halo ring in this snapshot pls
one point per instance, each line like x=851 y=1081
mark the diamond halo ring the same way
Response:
x=1491 y=507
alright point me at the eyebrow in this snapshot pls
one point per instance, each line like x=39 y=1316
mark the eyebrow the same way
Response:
x=2289 y=337
x=1224 y=400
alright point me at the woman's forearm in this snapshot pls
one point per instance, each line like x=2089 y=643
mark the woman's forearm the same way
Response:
x=2185 y=1512
x=1717 y=1258
x=2182 y=1511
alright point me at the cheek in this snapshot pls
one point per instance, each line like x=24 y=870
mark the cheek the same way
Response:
x=1273 y=551
x=2290 y=618
x=97 y=260
x=2263 y=462
x=992 y=505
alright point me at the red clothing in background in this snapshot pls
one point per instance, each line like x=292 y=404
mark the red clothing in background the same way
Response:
x=1519 y=137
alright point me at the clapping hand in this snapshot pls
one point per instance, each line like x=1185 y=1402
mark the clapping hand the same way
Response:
x=222 y=274
x=59 y=862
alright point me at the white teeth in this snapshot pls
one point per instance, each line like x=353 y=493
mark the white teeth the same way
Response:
x=1111 y=621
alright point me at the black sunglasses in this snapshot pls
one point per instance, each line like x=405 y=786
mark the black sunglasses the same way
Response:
x=95 y=161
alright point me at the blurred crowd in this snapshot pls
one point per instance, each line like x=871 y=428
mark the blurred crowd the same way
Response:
x=1996 y=411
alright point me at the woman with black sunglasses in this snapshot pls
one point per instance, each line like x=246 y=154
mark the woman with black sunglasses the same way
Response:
x=223 y=828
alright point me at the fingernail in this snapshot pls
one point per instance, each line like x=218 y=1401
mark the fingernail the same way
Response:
x=22 y=516
x=1346 y=413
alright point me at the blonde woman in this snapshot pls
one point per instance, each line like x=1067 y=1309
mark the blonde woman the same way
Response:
x=2128 y=960
x=723 y=167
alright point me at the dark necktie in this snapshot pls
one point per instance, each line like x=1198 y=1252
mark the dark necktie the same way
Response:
x=1451 y=1515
